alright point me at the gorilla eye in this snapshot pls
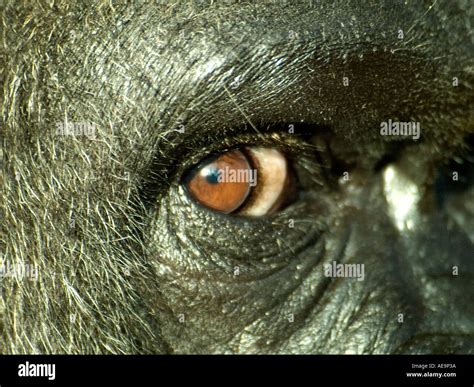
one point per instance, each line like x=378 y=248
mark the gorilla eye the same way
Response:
x=249 y=181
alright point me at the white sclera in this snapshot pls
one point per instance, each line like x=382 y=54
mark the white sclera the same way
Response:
x=272 y=165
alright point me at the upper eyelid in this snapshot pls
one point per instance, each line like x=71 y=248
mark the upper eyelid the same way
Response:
x=248 y=140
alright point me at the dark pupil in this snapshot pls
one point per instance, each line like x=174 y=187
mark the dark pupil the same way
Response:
x=213 y=176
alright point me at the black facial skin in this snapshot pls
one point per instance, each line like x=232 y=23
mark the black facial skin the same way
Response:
x=127 y=263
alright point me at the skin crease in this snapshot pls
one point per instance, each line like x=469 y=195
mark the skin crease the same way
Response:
x=127 y=263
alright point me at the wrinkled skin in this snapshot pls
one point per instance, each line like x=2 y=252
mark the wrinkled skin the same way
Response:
x=127 y=263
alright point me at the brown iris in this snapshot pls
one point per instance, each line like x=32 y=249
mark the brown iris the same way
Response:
x=220 y=182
